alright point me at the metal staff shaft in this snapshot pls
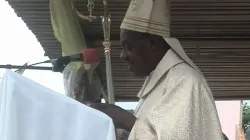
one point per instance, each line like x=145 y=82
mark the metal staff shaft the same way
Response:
x=111 y=98
x=106 y=23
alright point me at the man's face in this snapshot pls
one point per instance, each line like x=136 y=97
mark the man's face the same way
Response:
x=136 y=50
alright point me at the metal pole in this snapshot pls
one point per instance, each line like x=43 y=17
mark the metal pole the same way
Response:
x=111 y=98
x=106 y=22
x=25 y=67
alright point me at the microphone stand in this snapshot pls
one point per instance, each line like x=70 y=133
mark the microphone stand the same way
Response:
x=58 y=64
x=25 y=67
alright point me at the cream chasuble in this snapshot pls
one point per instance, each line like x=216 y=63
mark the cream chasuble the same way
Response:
x=175 y=101
x=176 y=104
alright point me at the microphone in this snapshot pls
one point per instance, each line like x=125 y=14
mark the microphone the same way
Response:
x=88 y=57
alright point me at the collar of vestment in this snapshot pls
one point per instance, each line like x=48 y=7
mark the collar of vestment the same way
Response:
x=169 y=60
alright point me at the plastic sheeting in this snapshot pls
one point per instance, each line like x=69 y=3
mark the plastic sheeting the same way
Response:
x=78 y=86
x=68 y=32
x=29 y=111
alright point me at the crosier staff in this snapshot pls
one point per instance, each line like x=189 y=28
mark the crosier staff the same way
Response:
x=106 y=23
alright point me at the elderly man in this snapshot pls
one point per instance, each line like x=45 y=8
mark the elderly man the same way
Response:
x=175 y=101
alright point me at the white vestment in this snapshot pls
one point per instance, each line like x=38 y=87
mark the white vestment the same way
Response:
x=176 y=104
x=175 y=101
x=29 y=111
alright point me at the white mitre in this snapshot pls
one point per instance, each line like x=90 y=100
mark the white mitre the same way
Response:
x=153 y=17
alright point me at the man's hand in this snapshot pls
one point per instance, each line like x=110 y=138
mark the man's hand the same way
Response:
x=121 y=118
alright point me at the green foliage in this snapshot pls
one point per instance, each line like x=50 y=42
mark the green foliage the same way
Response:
x=246 y=117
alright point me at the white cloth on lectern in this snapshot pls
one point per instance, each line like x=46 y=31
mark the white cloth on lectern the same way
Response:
x=29 y=111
